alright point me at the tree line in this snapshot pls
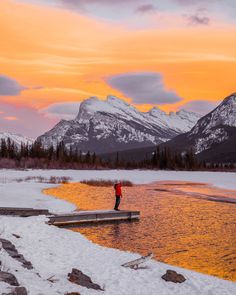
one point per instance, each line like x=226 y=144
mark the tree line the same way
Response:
x=36 y=156
x=163 y=158
x=60 y=157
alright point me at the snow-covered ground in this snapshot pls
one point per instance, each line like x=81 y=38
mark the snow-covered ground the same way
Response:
x=54 y=251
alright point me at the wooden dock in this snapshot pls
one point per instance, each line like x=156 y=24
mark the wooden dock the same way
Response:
x=92 y=216
x=22 y=212
x=75 y=218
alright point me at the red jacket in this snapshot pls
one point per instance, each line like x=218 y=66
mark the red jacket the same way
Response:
x=118 y=189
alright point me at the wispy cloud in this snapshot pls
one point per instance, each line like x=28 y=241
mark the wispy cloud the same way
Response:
x=24 y=120
x=144 y=88
x=83 y=4
x=200 y=106
x=9 y=86
x=146 y=8
x=67 y=110
x=11 y=118
x=198 y=19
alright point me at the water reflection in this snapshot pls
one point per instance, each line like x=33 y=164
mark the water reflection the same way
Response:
x=178 y=224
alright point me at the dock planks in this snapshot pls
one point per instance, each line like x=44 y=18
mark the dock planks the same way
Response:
x=22 y=212
x=93 y=216
x=73 y=218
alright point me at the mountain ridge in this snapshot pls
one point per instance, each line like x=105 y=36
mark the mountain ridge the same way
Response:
x=18 y=139
x=113 y=124
x=213 y=132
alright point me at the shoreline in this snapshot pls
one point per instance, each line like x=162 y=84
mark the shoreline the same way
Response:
x=84 y=197
x=218 y=179
x=59 y=250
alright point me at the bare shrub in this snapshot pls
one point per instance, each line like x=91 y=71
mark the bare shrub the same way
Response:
x=106 y=183
x=41 y=179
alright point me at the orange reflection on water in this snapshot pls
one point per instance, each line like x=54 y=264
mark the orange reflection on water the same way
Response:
x=179 y=229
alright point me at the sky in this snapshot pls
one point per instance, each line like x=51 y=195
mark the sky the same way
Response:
x=172 y=54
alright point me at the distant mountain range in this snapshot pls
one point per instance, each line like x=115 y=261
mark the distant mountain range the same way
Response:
x=18 y=139
x=104 y=126
x=213 y=138
x=111 y=125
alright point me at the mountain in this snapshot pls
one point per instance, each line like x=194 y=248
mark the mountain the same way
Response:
x=16 y=138
x=112 y=124
x=213 y=138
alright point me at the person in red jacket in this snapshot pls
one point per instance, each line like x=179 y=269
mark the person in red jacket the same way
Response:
x=118 y=194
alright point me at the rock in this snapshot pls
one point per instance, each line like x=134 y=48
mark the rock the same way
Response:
x=73 y=293
x=173 y=276
x=16 y=236
x=12 y=251
x=77 y=277
x=20 y=291
x=8 y=278
x=17 y=291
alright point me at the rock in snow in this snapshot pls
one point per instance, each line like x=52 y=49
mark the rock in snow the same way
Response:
x=173 y=276
x=79 y=278
x=112 y=124
x=8 y=278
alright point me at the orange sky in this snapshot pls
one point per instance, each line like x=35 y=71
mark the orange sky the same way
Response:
x=65 y=56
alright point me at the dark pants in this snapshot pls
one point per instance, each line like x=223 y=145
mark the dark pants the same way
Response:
x=117 y=202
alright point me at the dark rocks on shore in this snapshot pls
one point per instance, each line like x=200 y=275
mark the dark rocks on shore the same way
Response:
x=17 y=291
x=12 y=251
x=8 y=278
x=77 y=277
x=173 y=276
x=16 y=236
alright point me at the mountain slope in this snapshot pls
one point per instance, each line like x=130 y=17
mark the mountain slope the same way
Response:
x=16 y=138
x=111 y=125
x=213 y=138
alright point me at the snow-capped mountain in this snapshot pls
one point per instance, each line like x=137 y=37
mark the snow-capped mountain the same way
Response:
x=16 y=138
x=214 y=135
x=112 y=124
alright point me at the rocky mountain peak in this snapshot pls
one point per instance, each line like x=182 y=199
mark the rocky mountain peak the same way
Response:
x=113 y=124
x=155 y=111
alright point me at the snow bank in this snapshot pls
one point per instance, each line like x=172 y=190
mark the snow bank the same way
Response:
x=29 y=195
x=54 y=252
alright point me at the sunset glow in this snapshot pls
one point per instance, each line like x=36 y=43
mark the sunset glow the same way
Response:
x=52 y=54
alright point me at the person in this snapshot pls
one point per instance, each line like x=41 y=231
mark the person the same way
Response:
x=118 y=194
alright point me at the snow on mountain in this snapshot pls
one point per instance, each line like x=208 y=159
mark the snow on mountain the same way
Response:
x=214 y=135
x=16 y=138
x=112 y=124
x=210 y=129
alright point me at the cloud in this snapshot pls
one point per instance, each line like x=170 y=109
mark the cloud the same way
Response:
x=67 y=111
x=144 y=88
x=83 y=3
x=24 y=120
x=9 y=86
x=198 y=20
x=11 y=118
x=146 y=8
x=200 y=106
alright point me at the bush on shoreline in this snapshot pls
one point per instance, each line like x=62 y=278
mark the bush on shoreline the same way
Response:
x=41 y=179
x=105 y=183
